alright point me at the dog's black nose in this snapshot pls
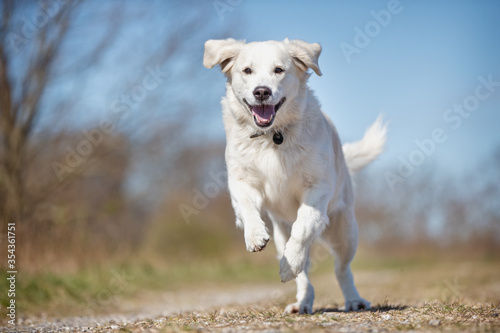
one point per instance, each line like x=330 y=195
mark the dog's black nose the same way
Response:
x=262 y=93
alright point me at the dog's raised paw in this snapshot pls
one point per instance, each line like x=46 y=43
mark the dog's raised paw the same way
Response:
x=256 y=239
x=357 y=305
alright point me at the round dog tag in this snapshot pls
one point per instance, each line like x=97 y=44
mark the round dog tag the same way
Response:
x=278 y=138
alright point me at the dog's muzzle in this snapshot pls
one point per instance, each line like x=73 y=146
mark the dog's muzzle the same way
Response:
x=264 y=114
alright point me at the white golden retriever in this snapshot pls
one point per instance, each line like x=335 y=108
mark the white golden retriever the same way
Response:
x=285 y=161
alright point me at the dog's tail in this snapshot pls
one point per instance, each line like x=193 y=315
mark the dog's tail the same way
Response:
x=361 y=153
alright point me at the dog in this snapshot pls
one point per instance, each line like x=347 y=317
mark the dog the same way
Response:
x=286 y=165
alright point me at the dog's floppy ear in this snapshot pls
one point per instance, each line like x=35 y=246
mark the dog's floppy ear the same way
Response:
x=305 y=55
x=221 y=52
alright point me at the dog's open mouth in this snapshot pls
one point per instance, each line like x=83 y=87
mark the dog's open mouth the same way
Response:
x=264 y=114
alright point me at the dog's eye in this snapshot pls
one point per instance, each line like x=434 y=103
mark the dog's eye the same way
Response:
x=247 y=71
x=279 y=70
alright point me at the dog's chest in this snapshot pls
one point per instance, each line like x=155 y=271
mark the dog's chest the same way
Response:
x=280 y=174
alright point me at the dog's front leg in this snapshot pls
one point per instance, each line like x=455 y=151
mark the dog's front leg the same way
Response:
x=311 y=221
x=247 y=204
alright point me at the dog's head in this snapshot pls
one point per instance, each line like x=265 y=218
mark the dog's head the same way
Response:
x=265 y=77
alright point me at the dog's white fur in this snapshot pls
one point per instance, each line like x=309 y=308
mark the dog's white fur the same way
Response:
x=303 y=186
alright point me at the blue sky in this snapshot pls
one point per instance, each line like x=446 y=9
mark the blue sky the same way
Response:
x=427 y=58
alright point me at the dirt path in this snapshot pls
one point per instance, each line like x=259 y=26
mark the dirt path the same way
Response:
x=451 y=297
x=151 y=305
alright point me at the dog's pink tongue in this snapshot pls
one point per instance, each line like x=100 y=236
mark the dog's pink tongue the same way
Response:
x=263 y=113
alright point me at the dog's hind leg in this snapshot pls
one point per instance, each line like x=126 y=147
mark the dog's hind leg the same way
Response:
x=281 y=233
x=305 y=294
x=343 y=236
x=305 y=291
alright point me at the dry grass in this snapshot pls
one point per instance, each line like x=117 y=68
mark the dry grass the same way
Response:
x=439 y=296
x=453 y=317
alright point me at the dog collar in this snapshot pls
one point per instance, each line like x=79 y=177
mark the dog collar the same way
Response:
x=277 y=137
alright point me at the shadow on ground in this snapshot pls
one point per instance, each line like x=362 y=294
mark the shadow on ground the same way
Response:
x=376 y=308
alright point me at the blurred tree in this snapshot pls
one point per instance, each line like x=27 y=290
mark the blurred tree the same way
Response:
x=32 y=40
x=21 y=90
x=63 y=180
